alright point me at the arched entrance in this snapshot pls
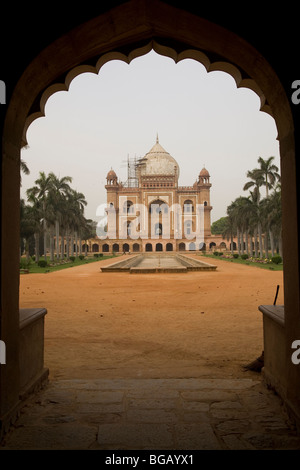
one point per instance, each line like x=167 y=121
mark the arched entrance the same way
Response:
x=135 y=30
x=136 y=247
x=158 y=247
x=125 y=247
x=148 y=247
x=116 y=247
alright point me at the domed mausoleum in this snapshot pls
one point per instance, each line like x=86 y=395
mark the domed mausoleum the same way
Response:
x=151 y=212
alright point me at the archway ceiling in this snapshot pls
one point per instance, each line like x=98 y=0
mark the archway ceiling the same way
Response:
x=134 y=28
x=178 y=52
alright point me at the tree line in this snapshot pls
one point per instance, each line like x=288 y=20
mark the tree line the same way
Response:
x=53 y=213
x=255 y=220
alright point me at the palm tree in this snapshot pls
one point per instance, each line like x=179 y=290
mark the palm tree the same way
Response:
x=73 y=219
x=231 y=228
x=274 y=220
x=88 y=231
x=269 y=172
x=78 y=202
x=28 y=224
x=256 y=181
x=40 y=192
x=38 y=215
x=24 y=169
x=256 y=222
x=241 y=211
x=59 y=190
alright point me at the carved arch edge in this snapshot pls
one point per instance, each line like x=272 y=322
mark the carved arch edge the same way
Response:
x=38 y=110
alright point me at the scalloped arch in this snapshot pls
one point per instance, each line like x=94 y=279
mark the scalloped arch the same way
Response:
x=199 y=56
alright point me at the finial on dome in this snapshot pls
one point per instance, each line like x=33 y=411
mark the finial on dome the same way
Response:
x=157 y=141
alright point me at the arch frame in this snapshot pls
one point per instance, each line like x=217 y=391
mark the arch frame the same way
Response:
x=126 y=32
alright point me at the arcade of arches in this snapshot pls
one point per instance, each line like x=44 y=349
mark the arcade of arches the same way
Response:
x=131 y=29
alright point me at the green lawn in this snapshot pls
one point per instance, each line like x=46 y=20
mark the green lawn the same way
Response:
x=56 y=266
x=257 y=264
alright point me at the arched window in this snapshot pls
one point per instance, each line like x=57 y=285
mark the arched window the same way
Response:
x=188 y=227
x=158 y=207
x=128 y=207
x=188 y=207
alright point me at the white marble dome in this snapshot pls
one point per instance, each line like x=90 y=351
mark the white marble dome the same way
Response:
x=159 y=162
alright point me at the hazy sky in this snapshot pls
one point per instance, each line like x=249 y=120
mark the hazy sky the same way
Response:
x=201 y=118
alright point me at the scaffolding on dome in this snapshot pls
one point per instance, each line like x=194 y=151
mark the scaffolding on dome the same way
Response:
x=132 y=165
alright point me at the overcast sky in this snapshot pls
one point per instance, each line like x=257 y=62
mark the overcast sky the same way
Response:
x=201 y=118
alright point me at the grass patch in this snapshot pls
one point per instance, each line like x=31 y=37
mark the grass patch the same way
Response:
x=263 y=264
x=33 y=267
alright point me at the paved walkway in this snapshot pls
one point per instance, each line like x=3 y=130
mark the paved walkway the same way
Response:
x=156 y=414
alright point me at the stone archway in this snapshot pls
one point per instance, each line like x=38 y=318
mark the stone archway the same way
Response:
x=116 y=247
x=136 y=247
x=95 y=248
x=126 y=32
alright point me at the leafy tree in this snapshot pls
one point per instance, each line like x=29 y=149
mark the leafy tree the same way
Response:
x=28 y=224
x=217 y=227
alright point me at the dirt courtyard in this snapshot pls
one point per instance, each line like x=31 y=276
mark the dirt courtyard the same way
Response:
x=110 y=325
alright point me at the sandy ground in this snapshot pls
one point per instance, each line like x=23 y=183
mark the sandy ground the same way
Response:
x=197 y=324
